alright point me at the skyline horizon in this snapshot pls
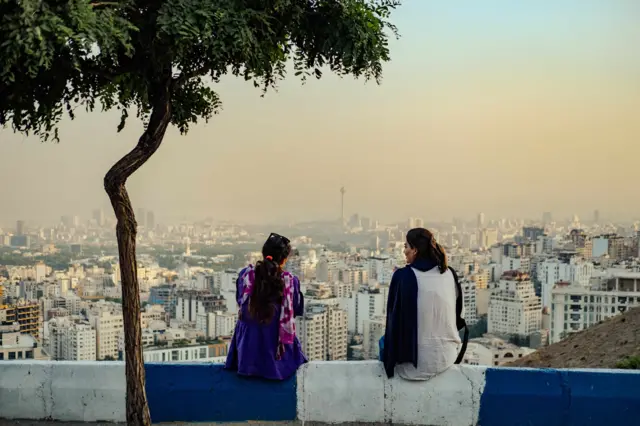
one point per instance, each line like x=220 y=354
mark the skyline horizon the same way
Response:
x=585 y=218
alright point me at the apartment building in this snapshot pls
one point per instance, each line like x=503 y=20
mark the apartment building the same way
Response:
x=216 y=324
x=576 y=307
x=373 y=330
x=71 y=340
x=514 y=307
x=109 y=326
x=190 y=303
x=552 y=271
x=323 y=332
x=469 y=295
x=25 y=313
x=365 y=304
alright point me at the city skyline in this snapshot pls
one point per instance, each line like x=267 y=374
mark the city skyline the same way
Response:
x=510 y=110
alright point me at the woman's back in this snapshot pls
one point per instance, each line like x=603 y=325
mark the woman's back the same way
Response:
x=254 y=348
x=438 y=340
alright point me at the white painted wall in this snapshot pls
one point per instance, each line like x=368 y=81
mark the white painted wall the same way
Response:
x=338 y=392
x=66 y=391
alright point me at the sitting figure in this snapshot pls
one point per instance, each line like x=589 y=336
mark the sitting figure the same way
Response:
x=423 y=313
x=264 y=342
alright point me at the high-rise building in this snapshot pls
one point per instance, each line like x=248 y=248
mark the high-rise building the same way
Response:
x=552 y=271
x=470 y=313
x=342 y=219
x=365 y=304
x=373 y=330
x=141 y=217
x=151 y=220
x=480 y=223
x=20 y=227
x=532 y=233
x=514 y=308
x=189 y=303
x=109 y=325
x=98 y=217
x=71 y=340
x=596 y=216
x=322 y=331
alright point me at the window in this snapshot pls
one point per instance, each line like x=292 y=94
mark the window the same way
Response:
x=12 y=355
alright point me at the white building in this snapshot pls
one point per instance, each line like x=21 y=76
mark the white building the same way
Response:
x=364 y=305
x=492 y=351
x=373 y=330
x=381 y=268
x=514 y=307
x=216 y=353
x=216 y=324
x=108 y=326
x=552 y=271
x=469 y=312
x=190 y=303
x=71 y=340
x=575 y=307
x=323 y=332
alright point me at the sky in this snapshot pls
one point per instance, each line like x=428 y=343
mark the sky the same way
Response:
x=502 y=107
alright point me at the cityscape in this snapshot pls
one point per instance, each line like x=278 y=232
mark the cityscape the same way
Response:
x=526 y=284
x=269 y=211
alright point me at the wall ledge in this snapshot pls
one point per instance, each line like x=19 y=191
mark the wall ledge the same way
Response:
x=321 y=393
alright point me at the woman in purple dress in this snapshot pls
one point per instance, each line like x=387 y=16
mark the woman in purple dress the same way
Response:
x=264 y=342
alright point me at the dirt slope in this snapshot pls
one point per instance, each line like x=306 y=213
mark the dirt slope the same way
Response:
x=601 y=346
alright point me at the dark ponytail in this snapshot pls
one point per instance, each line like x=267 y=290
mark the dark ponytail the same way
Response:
x=427 y=247
x=268 y=287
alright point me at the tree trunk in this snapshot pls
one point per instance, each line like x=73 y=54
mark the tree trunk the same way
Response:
x=126 y=229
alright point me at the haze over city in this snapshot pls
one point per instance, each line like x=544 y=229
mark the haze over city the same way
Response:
x=507 y=108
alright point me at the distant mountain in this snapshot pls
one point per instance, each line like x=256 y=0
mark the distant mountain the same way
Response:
x=602 y=346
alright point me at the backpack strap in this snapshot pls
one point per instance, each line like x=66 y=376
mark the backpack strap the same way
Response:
x=460 y=322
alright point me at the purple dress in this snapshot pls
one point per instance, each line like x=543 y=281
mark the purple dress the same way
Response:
x=252 y=351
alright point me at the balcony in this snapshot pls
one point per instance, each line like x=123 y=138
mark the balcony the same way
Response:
x=323 y=392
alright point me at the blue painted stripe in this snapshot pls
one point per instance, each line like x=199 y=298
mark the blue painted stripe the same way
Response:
x=208 y=393
x=604 y=397
x=539 y=397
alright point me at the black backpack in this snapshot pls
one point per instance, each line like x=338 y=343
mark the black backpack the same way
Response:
x=460 y=322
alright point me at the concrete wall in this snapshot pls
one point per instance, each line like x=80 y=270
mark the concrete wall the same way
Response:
x=334 y=392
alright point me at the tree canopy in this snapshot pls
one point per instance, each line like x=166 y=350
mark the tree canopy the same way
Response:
x=58 y=55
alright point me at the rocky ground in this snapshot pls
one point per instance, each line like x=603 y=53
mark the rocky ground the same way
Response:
x=601 y=346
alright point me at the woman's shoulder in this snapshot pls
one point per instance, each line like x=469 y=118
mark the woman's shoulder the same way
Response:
x=402 y=272
x=289 y=275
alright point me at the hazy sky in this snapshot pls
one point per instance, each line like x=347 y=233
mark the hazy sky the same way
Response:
x=505 y=107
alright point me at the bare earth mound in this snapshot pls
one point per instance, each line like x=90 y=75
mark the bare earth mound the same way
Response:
x=601 y=346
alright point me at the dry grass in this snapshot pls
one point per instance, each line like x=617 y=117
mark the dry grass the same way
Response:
x=601 y=346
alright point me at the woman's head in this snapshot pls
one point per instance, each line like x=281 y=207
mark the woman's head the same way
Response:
x=421 y=244
x=269 y=286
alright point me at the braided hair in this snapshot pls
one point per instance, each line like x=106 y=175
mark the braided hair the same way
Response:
x=268 y=287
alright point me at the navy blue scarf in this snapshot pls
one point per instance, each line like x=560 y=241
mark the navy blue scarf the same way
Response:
x=401 y=333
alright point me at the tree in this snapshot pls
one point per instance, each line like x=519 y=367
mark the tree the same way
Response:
x=158 y=58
